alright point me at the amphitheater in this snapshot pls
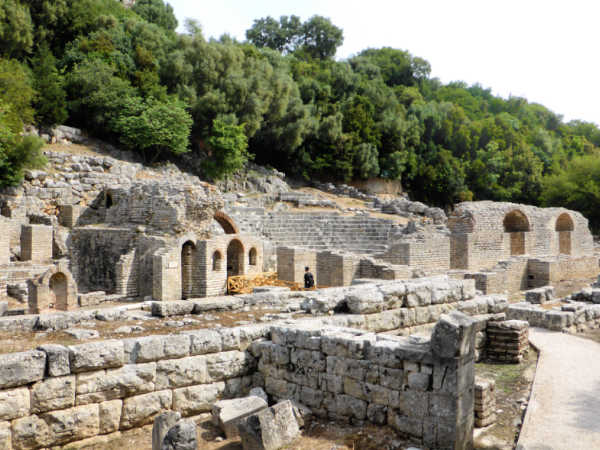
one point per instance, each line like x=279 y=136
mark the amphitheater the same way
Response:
x=114 y=281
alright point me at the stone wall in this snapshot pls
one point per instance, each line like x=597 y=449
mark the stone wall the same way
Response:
x=292 y=261
x=56 y=395
x=419 y=387
x=430 y=253
x=484 y=233
x=337 y=269
x=36 y=243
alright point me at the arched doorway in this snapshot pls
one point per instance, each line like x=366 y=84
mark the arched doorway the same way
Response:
x=564 y=227
x=58 y=292
x=516 y=224
x=216 y=261
x=188 y=257
x=235 y=258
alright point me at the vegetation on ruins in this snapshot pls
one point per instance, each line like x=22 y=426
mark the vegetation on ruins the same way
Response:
x=126 y=75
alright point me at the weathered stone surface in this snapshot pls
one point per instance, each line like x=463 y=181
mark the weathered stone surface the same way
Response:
x=172 y=308
x=181 y=372
x=72 y=424
x=453 y=335
x=14 y=403
x=142 y=409
x=365 y=300
x=81 y=334
x=102 y=385
x=258 y=392
x=30 y=432
x=17 y=369
x=57 y=359
x=181 y=437
x=540 y=295
x=227 y=414
x=3 y=308
x=176 y=345
x=96 y=355
x=162 y=424
x=269 y=429
x=53 y=393
x=194 y=400
x=221 y=366
x=110 y=415
x=204 y=341
x=5 y=436
x=144 y=349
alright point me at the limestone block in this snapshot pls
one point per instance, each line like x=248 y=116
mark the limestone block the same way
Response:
x=162 y=424
x=453 y=335
x=142 y=409
x=221 y=366
x=110 y=416
x=14 y=403
x=239 y=386
x=204 y=341
x=225 y=303
x=270 y=429
x=102 y=385
x=5 y=436
x=172 y=308
x=72 y=424
x=182 y=372
x=183 y=436
x=3 y=307
x=57 y=359
x=351 y=407
x=176 y=345
x=558 y=320
x=258 y=392
x=540 y=295
x=96 y=355
x=365 y=299
x=230 y=338
x=144 y=349
x=30 y=432
x=226 y=414
x=53 y=393
x=194 y=400
x=17 y=369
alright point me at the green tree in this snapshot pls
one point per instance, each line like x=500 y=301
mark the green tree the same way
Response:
x=50 y=101
x=227 y=147
x=283 y=36
x=157 y=12
x=16 y=91
x=321 y=38
x=16 y=29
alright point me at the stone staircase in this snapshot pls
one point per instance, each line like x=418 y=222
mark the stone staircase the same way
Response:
x=319 y=231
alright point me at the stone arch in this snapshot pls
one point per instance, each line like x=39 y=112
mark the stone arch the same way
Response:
x=235 y=258
x=217 y=260
x=564 y=227
x=58 y=291
x=252 y=257
x=188 y=263
x=54 y=290
x=516 y=224
x=226 y=223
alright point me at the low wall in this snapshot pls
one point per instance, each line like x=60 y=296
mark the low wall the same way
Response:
x=420 y=388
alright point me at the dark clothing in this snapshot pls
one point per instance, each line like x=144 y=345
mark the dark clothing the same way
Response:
x=309 y=280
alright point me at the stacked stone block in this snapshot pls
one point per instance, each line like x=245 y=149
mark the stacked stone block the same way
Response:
x=292 y=261
x=423 y=389
x=4 y=245
x=36 y=243
x=508 y=341
x=485 y=402
x=540 y=295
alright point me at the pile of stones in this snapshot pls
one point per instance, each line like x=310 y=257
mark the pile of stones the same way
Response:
x=485 y=402
x=508 y=341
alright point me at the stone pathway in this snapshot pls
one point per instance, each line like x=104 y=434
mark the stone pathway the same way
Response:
x=564 y=408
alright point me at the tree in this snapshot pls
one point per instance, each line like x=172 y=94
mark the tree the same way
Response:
x=50 y=101
x=17 y=92
x=153 y=128
x=321 y=38
x=226 y=148
x=157 y=12
x=16 y=29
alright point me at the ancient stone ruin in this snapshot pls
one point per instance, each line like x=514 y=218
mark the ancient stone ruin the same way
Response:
x=407 y=301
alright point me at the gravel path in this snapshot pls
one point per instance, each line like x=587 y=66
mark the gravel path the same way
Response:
x=564 y=408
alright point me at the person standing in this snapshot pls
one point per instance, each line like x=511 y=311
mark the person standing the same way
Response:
x=309 y=280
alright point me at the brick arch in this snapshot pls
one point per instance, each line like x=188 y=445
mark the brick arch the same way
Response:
x=235 y=258
x=226 y=223
x=188 y=262
x=54 y=290
x=516 y=221
x=564 y=222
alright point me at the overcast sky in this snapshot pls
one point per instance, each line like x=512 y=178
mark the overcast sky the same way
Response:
x=544 y=51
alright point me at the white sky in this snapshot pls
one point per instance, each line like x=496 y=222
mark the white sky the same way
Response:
x=541 y=50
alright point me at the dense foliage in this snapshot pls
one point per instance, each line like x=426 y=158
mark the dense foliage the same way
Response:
x=281 y=98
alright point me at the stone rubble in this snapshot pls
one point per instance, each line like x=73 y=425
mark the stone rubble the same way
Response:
x=269 y=429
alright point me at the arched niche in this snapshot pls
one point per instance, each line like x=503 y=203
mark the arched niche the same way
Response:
x=58 y=292
x=252 y=257
x=516 y=224
x=188 y=261
x=564 y=227
x=235 y=258
x=217 y=261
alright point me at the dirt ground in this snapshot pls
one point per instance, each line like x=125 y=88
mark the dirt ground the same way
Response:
x=513 y=387
x=317 y=435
